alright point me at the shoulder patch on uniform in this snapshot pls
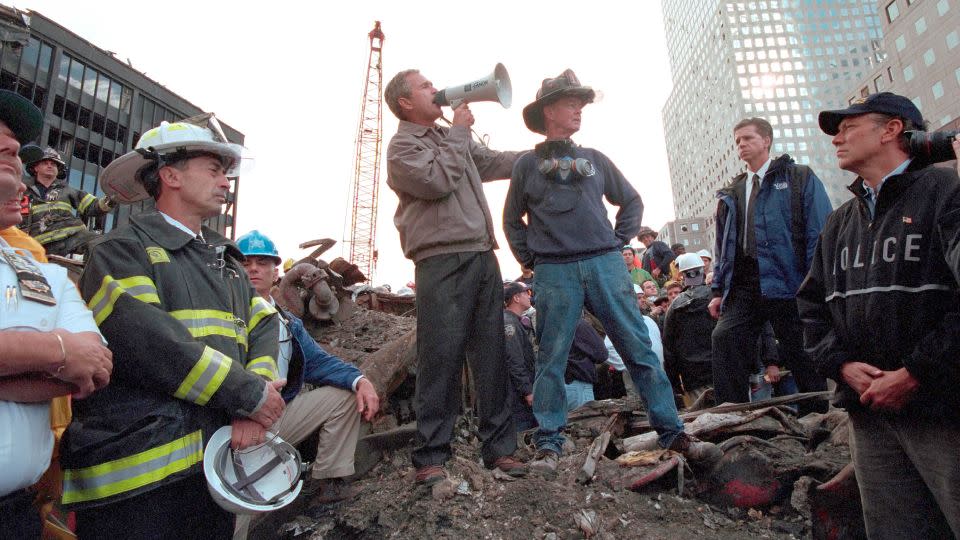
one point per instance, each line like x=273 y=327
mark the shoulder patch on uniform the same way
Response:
x=157 y=255
x=509 y=330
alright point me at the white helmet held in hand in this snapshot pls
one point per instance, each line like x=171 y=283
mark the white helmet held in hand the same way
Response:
x=259 y=479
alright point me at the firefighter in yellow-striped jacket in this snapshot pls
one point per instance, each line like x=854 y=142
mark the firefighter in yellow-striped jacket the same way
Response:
x=57 y=211
x=194 y=347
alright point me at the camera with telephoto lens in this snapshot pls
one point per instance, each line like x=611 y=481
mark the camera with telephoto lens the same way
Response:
x=932 y=146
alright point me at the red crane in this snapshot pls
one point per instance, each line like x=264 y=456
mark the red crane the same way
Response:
x=366 y=174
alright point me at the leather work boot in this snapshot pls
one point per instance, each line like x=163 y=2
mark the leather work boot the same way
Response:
x=545 y=463
x=696 y=450
x=429 y=475
x=511 y=465
x=331 y=490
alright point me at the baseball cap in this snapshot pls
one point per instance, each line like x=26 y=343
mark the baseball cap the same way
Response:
x=20 y=115
x=883 y=103
x=512 y=288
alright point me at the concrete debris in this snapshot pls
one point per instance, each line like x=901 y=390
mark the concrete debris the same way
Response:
x=779 y=477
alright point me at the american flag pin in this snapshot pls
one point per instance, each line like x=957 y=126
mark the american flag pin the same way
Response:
x=907 y=219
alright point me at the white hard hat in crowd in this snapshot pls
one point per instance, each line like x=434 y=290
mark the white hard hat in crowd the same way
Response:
x=120 y=179
x=705 y=253
x=689 y=261
x=259 y=479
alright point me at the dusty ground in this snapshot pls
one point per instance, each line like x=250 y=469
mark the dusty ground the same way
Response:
x=475 y=504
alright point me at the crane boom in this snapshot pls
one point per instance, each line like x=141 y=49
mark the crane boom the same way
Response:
x=366 y=171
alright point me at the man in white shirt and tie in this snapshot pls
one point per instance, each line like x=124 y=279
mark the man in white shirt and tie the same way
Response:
x=768 y=220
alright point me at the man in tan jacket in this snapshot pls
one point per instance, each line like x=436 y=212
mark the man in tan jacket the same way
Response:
x=447 y=231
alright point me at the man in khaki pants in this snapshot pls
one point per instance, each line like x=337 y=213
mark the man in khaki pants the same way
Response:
x=341 y=397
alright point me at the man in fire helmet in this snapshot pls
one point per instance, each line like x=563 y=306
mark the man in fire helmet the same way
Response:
x=57 y=211
x=194 y=345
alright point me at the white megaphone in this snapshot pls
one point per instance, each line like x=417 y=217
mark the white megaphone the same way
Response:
x=493 y=87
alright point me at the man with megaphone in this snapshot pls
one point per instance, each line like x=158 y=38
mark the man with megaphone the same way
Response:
x=447 y=231
x=568 y=241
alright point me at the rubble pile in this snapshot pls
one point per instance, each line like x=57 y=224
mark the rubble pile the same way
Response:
x=779 y=477
x=765 y=486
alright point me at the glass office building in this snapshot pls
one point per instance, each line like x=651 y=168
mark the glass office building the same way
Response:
x=95 y=106
x=783 y=60
x=922 y=39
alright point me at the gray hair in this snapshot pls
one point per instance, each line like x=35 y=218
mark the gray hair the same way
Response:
x=396 y=89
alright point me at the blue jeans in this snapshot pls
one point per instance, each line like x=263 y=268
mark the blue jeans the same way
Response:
x=603 y=285
x=578 y=393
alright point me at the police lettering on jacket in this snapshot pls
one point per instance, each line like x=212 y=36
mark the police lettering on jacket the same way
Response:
x=883 y=250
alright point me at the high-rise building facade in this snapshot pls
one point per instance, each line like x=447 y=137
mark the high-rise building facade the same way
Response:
x=691 y=232
x=922 y=41
x=95 y=106
x=783 y=60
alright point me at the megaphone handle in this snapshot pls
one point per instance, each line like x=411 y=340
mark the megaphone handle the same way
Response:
x=454 y=103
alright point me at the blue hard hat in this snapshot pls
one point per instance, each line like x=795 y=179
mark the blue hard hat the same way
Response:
x=255 y=243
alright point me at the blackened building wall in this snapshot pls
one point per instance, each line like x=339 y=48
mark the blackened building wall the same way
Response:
x=95 y=106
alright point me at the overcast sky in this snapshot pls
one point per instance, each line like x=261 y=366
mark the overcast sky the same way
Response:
x=290 y=76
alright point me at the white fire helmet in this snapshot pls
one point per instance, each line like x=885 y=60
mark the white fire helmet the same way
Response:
x=262 y=478
x=201 y=134
x=689 y=261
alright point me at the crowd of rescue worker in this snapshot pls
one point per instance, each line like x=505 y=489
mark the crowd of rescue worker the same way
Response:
x=175 y=388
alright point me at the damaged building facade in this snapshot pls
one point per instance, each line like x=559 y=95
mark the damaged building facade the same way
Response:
x=95 y=106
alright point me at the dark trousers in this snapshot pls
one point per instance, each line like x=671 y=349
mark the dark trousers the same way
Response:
x=183 y=509
x=18 y=517
x=908 y=471
x=460 y=314
x=735 y=346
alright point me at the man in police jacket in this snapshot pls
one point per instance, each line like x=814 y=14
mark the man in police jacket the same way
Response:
x=881 y=318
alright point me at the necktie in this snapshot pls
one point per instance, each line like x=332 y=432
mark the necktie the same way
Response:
x=750 y=237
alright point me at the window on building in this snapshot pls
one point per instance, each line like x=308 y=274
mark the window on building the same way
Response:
x=920 y=25
x=901 y=43
x=929 y=57
x=943 y=7
x=953 y=39
x=70 y=111
x=918 y=102
x=879 y=82
x=80 y=149
x=893 y=11
x=908 y=73
x=937 y=90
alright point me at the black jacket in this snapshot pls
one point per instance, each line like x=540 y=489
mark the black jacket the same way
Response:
x=884 y=290
x=587 y=349
x=658 y=255
x=191 y=342
x=687 y=331
x=520 y=359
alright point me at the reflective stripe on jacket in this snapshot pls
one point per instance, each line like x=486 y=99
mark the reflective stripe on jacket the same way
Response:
x=59 y=214
x=192 y=344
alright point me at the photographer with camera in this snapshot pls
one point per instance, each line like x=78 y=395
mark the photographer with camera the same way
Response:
x=881 y=316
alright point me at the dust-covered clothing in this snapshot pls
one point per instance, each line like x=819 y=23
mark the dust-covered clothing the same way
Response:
x=58 y=214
